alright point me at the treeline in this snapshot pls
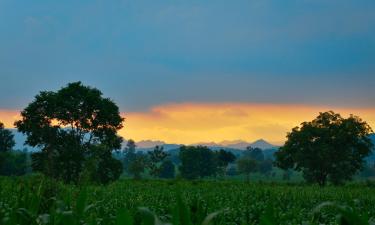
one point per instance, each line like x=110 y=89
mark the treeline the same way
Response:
x=76 y=130
x=12 y=162
x=192 y=162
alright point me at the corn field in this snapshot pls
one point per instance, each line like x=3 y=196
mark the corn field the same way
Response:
x=37 y=200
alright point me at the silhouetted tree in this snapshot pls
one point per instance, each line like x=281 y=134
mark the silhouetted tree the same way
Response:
x=328 y=148
x=197 y=162
x=6 y=139
x=254 y=153
x=101 y=167
x=156 y=158
x=167 y=170
x=246 y=165
x=13 y=163
x=265 y=167
x=65 y=125
x=138 y=166
x=223 y=159
x=130 y=154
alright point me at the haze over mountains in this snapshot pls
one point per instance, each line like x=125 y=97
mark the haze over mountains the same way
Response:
x=236 y=144
x=149 y=144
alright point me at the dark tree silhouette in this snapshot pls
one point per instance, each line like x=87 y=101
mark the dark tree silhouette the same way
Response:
x=156 y=158
x=329 y=148
x=223 y=159
x=167 y=170
x=138 y=166
x=130 y=154
x=66 y=125
x=265 y=167
x=11 y=163
x=197 y=162
x=246 y=165
x=6 y=139
x=254 y=153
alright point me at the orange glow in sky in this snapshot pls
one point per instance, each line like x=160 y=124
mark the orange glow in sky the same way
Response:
x=189 y=123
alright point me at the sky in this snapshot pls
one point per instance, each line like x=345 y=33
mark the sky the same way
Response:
x=195 y=71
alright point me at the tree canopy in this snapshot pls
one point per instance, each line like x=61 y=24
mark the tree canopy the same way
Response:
x=329 y=148
x=246 y=166
x=66 y=125
x=197 y=162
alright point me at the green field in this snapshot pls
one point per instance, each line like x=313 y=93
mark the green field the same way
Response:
x=34 y=200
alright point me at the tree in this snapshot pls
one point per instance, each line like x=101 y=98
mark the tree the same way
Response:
x=223 y=159
x=197 y=162
x=13 y=163
x=156 y=158
x=246 y=166
x=137 y=166
x=329 y=148
x=265 y=167
x=167 y=170
x=66 y=125
x=101 y=167
x=254 y=153
x=130 y=154
x=6 y=139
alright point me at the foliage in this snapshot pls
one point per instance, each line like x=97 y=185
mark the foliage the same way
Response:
x=265 y=167
x=254 y=153
x=13 y=163
x=138 y=166
x=6 y=139
x=35 y=200
x=246 y=166
x=130 y=154
x=328 y=148
x=101 y=167
x=156 y=158
x=167 y=169
x=65 y=125
x=197 y=162
x=224 y=158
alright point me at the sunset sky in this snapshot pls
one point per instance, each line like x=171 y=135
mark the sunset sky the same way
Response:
x=195 y=71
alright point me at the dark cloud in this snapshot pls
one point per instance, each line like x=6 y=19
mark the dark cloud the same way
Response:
x=145 y=53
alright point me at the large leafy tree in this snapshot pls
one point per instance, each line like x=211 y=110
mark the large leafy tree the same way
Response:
x=197 y=162
x=329 y=148
x=66 y=125
x=6 y=139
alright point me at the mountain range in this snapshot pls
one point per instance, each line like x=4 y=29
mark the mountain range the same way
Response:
x=236 y=144
x=149 y=145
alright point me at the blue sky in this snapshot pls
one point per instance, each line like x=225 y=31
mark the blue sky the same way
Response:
x=147 y=53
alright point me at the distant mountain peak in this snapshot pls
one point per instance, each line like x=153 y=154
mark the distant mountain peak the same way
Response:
x=149 y=143
x=239 y=144
x=232 y=142
x=261 y=143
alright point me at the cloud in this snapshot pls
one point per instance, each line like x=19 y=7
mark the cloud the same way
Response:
x=8 y=117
